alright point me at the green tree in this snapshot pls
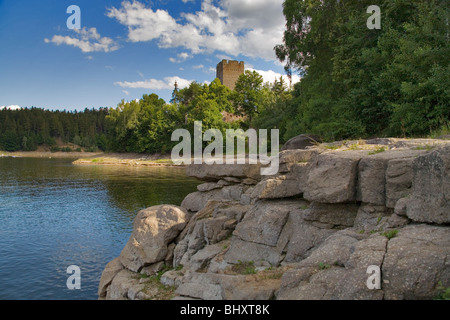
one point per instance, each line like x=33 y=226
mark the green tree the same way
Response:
x=247 y=97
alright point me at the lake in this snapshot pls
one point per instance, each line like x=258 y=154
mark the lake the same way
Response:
x=54 y=214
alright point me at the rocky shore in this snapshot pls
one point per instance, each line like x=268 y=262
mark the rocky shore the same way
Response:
x=309 y=232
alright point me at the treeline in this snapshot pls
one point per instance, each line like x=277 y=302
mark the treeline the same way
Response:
x=147 y=125
x=358 y=82
x=27 y=129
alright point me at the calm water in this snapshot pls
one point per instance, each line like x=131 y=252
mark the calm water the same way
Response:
x=54 y=214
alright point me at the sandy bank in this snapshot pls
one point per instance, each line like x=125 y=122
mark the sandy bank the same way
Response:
x=129 y=159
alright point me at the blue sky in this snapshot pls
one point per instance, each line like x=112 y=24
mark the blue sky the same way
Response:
x=125 y=49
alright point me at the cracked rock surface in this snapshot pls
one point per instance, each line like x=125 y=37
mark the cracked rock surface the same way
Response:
x=310 y=232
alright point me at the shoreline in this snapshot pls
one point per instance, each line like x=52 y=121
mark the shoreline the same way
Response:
x=127 y=159
x=99 y=158
x=47 y=154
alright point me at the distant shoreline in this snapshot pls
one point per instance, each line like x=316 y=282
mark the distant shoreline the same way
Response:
x=127 y=159
x=48 y=154
x=99 y=158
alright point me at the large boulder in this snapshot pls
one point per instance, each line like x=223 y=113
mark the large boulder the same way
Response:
x=336 y=270
x=301 y=142
x=108 y=274
x=196 y=201
x=333 y=177
x=256 y=237
x=279 y=187
x=430 y=199
x=153 y=230
x=417 y=259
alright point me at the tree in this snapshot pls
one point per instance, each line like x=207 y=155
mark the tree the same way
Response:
x=247 y=94
x=359 y=82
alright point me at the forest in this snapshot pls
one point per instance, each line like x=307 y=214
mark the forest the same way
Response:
x=356 y=83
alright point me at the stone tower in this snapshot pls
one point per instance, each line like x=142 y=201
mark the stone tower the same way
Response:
x=228 y=72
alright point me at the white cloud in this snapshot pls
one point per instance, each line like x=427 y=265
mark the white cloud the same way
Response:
x=12 y=107
x=270 y=76
x=154 y=84
x=87 y=40
x=247 y=27
x=182 y=56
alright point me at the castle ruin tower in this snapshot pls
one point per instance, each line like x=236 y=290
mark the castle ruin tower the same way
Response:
x=228 y=72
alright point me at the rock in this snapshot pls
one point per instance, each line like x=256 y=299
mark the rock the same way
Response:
x=398 y=180
x=200 y=260
x=331 y=216
x=300 y=238
x=209 y=286
x=123 y=283
x=372 y=180
x=336 y=270
x=371 y=218
x=280 y=187
x=214 y=223
x=208 y=186
x=201 y=286
x=233 y=192
x=373 y=175
x=430 y=199
x=154 y=228
x=336 y=249
x=396 y=221
x=332 y=177
x=153 y=269
x=172 y=278
x=380 y=141
x=263 y=223
x=301 y=142
x=289 y=158
x=417 y=259
x=108 y=274
x=400 y=206
x=196 y=201
x=256 y=236
x=249 y=251
x=216 y=172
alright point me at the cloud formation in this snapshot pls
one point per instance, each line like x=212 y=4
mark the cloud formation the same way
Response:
x=155 y=84
x=12 y=107
x=270 y=76
x=234 y=27
x=88 y=40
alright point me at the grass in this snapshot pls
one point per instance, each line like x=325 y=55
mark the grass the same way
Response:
x=354 y=146
x=244 y=267
x=163 y=161
x=390 y=234
x=377 y=150
x=323 y=266
x=444 y=292
x=425 y=147
x=155 y=289
x=333 y=147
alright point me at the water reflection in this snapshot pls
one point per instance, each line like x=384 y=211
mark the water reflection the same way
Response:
x=54 y=214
